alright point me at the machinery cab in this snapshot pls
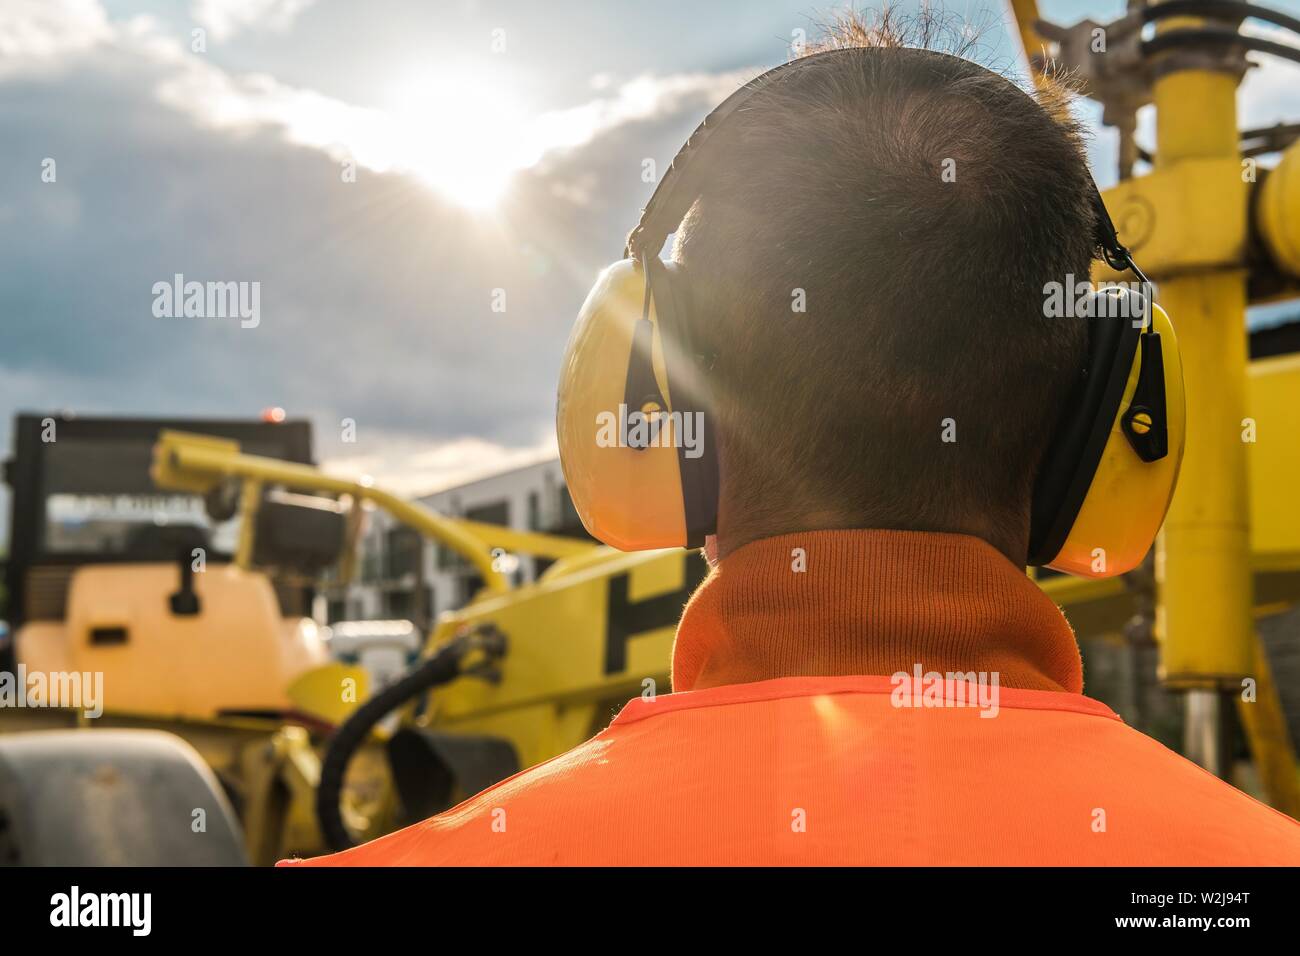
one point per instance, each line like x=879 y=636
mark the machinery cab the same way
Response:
x=109 y=574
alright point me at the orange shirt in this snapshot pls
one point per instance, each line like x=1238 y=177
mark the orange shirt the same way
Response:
x=903 y=699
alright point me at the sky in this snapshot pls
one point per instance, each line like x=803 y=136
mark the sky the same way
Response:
x=422 y=191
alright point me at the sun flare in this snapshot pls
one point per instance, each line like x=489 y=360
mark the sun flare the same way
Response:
x=460 y=137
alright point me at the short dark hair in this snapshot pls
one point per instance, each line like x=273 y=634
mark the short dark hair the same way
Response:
x=924 y=292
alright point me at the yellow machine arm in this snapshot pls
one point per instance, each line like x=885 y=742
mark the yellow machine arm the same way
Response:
x=199 y=463
x=1025 y=13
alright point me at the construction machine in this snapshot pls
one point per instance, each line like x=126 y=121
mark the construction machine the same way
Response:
x=127 y=616
x=169 y=575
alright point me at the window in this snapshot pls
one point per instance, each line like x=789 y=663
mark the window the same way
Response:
x=400 y=604
x=402 y=552
x=494 y=512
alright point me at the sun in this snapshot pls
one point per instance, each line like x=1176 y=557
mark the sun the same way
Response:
x=460 y=136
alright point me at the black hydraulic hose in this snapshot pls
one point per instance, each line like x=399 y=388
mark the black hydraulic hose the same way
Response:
x=1219 y=10
x=441 y=667
x=1176 y=39
x=1273 y=139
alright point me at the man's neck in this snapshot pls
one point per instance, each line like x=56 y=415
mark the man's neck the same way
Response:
x=1011 y=537
x=838 y=603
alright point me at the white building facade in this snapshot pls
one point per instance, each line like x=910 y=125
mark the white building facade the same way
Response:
x=400 y=575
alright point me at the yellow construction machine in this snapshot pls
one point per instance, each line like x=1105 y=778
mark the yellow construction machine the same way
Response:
x=168 y=575
x=129 y=618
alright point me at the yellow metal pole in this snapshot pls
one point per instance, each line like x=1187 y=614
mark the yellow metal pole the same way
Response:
x=1270 y=738
x=1203 y=575
x=1025 y=15
x=1203 y=557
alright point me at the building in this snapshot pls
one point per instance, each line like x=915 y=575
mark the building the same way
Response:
x=399 y=574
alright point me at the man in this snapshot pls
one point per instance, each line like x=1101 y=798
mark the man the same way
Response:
x=879 y=452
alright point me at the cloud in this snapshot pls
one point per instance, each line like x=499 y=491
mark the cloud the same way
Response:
x=375 y=295
x=642 y=98
x=39 y=35
x=225 y=18
x=413 y=467
x=451 y=142
x=451 y=136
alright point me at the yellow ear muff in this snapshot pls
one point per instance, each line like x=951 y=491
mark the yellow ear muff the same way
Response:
x=1128 y=497
x=628 y=497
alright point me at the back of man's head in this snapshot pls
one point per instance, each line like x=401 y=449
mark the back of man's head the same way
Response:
x=870 y=263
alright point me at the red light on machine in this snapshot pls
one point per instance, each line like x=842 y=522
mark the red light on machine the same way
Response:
x=274 y=415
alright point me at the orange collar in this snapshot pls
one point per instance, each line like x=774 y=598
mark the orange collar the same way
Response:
x=872 y=602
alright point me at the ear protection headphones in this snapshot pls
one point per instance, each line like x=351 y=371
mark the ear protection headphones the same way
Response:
x=637 y=443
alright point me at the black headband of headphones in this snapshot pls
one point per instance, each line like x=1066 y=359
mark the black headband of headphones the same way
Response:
x=682 y=182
